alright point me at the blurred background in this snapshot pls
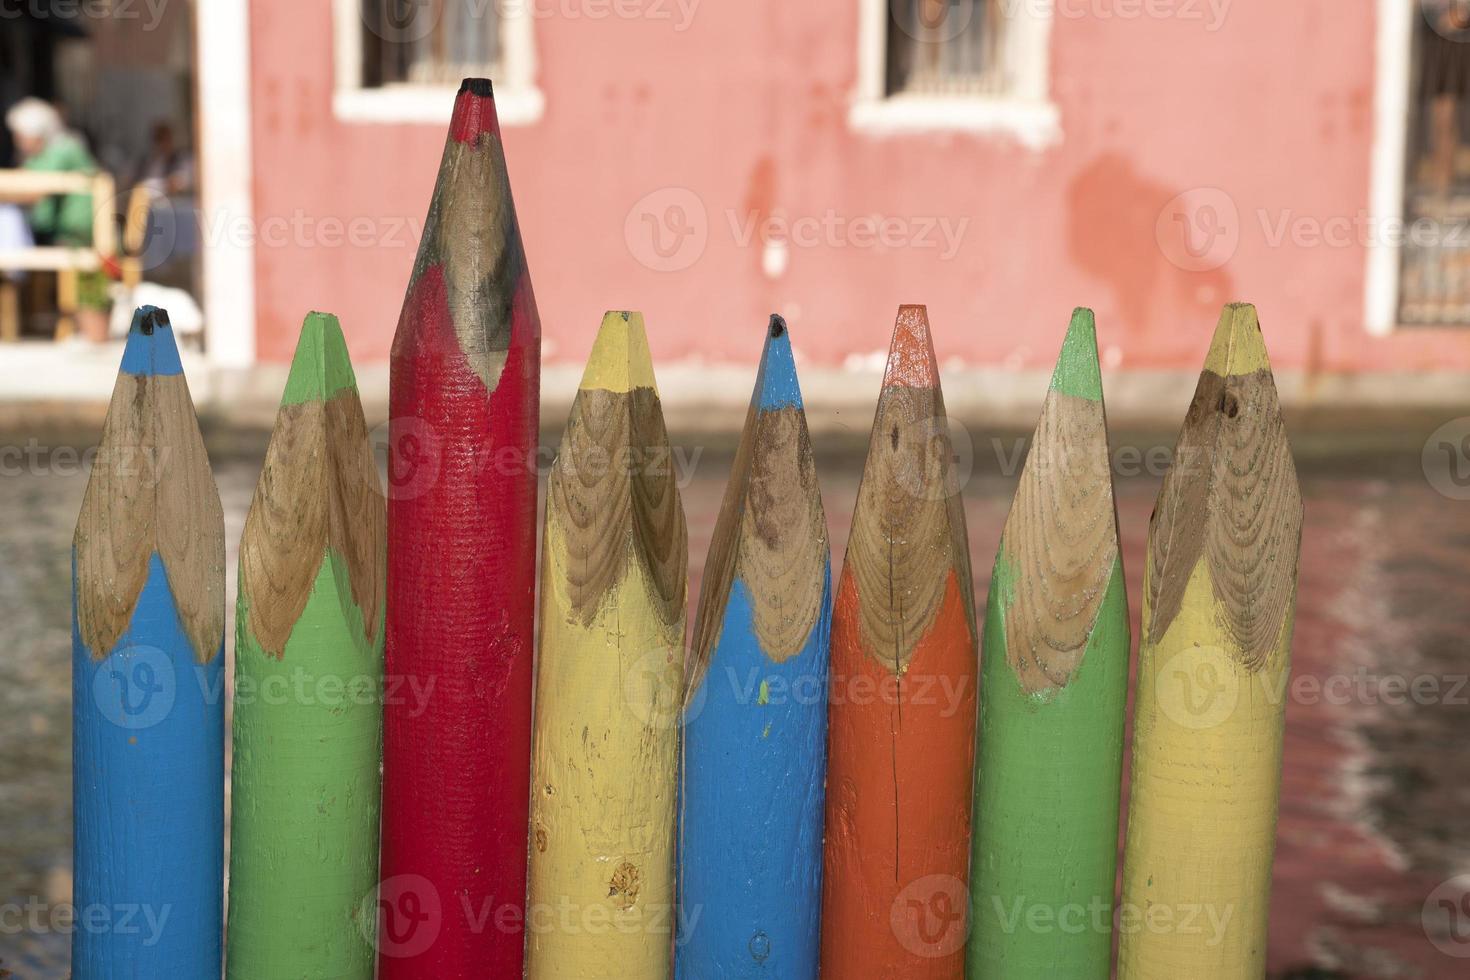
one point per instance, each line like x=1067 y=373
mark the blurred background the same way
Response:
x=242 y=162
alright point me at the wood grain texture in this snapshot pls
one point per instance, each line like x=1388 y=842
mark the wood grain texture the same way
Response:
x=908 y=526
x=756 y=720
x=461 y=576
x=1055 y=687
x=319 y=494
x=147 y=678
x=609 y=680
x=902 y=718
x=308 y=683
x=1219 y=595
x=151 y=461
x=1244 y=471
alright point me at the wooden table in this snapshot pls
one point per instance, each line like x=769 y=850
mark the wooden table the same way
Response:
x=28 y=186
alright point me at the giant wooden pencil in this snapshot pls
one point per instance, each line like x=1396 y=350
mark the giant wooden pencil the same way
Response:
x=308 y=677
x=461 y=576
x=903 y=694
x=755 y=753
x=1215 y=655
x=147 y=681
x=609 y=680
x=1055 y=687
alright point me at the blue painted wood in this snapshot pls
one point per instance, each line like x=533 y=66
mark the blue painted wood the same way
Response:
x=755 y=764
x=776 y=385
x=148 y=742
x=148 y=778
x=151 y=349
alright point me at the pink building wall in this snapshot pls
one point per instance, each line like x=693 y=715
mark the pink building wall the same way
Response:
x=748 y=110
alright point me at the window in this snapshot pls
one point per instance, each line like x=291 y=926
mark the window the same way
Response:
x=979 y=65
x=1434 y=286
x=402 y=60
x=945 y=46
x=428 y=42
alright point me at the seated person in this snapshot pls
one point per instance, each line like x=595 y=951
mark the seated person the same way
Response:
x=45 y=144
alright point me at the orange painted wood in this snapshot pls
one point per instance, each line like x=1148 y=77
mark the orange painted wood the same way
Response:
x=904 y=667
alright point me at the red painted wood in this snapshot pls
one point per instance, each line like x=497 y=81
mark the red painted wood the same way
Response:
x=473 y=115
x=461 y=578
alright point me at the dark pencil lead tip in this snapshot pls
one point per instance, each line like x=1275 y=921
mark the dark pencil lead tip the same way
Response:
x=151 y=320
x=477 y=86
x=778 y=325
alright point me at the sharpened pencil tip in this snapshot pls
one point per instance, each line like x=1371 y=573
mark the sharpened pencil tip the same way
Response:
x=620 y=359
x=775 y=384
x=1238 y=346
x=321 y=366
x=911 y=360
x=151 y=349
x=474 y=112
x=1077 y=372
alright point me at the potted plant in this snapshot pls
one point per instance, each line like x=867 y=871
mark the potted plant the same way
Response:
x=93 y=304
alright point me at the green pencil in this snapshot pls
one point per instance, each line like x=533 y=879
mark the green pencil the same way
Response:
x=1054 y=685
x=308 y=680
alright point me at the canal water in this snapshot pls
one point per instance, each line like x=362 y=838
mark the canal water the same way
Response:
x=1374 y=827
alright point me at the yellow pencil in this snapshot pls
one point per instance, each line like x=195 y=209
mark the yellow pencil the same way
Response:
x=1214 y=661
x=609 y=683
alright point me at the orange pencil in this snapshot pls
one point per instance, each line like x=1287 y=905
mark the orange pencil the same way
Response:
x=904 y=669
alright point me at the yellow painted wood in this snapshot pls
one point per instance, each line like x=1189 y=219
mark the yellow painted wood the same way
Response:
x=609 y=682
x=1214 y=665
x=1207 y=751
x=620 y=361
x=1237 y=348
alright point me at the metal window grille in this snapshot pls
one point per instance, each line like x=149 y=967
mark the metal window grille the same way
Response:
x=1435 y=283
x=946 y=47
x=428 y=42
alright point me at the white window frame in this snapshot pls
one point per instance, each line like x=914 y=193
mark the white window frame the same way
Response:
x=518 y=102
x=1390 y=149
x=1026 y=113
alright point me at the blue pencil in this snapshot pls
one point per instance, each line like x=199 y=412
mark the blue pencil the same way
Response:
x=755 y=751
x=147 y=682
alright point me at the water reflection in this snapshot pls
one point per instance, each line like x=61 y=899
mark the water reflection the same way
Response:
x=1376 y=783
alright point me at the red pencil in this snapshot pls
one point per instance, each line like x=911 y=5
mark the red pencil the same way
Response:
x=461 y=575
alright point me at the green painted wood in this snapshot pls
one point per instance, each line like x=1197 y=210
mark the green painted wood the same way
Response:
x=308 y=687
x=1050 y=736
x=1077 y=371
x=320 y=368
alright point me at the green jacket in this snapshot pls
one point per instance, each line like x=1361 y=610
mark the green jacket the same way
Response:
x=64 y=219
